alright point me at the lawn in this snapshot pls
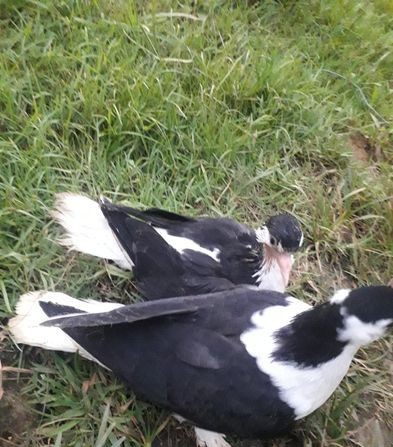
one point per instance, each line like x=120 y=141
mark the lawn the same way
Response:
x=218 y=107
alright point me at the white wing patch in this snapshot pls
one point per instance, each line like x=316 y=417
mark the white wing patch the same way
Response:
x=181 y=244
x=303 y=389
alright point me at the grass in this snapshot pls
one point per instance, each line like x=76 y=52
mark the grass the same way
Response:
x=217 y=107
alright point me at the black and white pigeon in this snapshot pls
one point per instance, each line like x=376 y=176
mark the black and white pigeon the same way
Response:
x=244 y=361
x=209 y=247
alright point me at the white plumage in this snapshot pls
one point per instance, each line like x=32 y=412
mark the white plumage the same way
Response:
x=87 y=230
x=26 y=327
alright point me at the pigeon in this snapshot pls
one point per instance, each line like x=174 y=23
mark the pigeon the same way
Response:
x=244 y=362
x=208 y=247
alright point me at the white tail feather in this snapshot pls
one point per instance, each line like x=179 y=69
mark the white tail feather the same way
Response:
x=26 y=327
x=86 y=228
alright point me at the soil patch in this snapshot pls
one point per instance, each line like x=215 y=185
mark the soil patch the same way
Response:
x=16 y=418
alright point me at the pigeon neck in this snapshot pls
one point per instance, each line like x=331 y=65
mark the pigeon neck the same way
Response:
x=297 y=346
x=312 y=337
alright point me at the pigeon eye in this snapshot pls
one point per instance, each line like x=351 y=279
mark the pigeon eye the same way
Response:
x=273 y=240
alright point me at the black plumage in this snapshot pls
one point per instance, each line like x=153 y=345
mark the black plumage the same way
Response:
x=161 y=271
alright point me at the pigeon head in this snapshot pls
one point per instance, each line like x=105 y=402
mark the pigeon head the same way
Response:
x=282 y=232
x=367 y=313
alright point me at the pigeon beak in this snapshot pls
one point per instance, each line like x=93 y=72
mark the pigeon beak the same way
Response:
x=284 y=261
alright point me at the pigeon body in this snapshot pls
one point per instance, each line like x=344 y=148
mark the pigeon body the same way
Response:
x=215 y=253
x=245 y=362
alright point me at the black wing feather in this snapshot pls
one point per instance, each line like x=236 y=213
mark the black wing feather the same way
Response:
x=160 y=271
x=227 y=306
x=158 y=267
x=125 y=314
x=154 y=216
x=196 y=352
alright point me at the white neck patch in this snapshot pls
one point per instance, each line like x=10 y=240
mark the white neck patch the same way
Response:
x=269 y=277
x=359 y=333
x=340 y=296
x=263 y=235
x=303 y=389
